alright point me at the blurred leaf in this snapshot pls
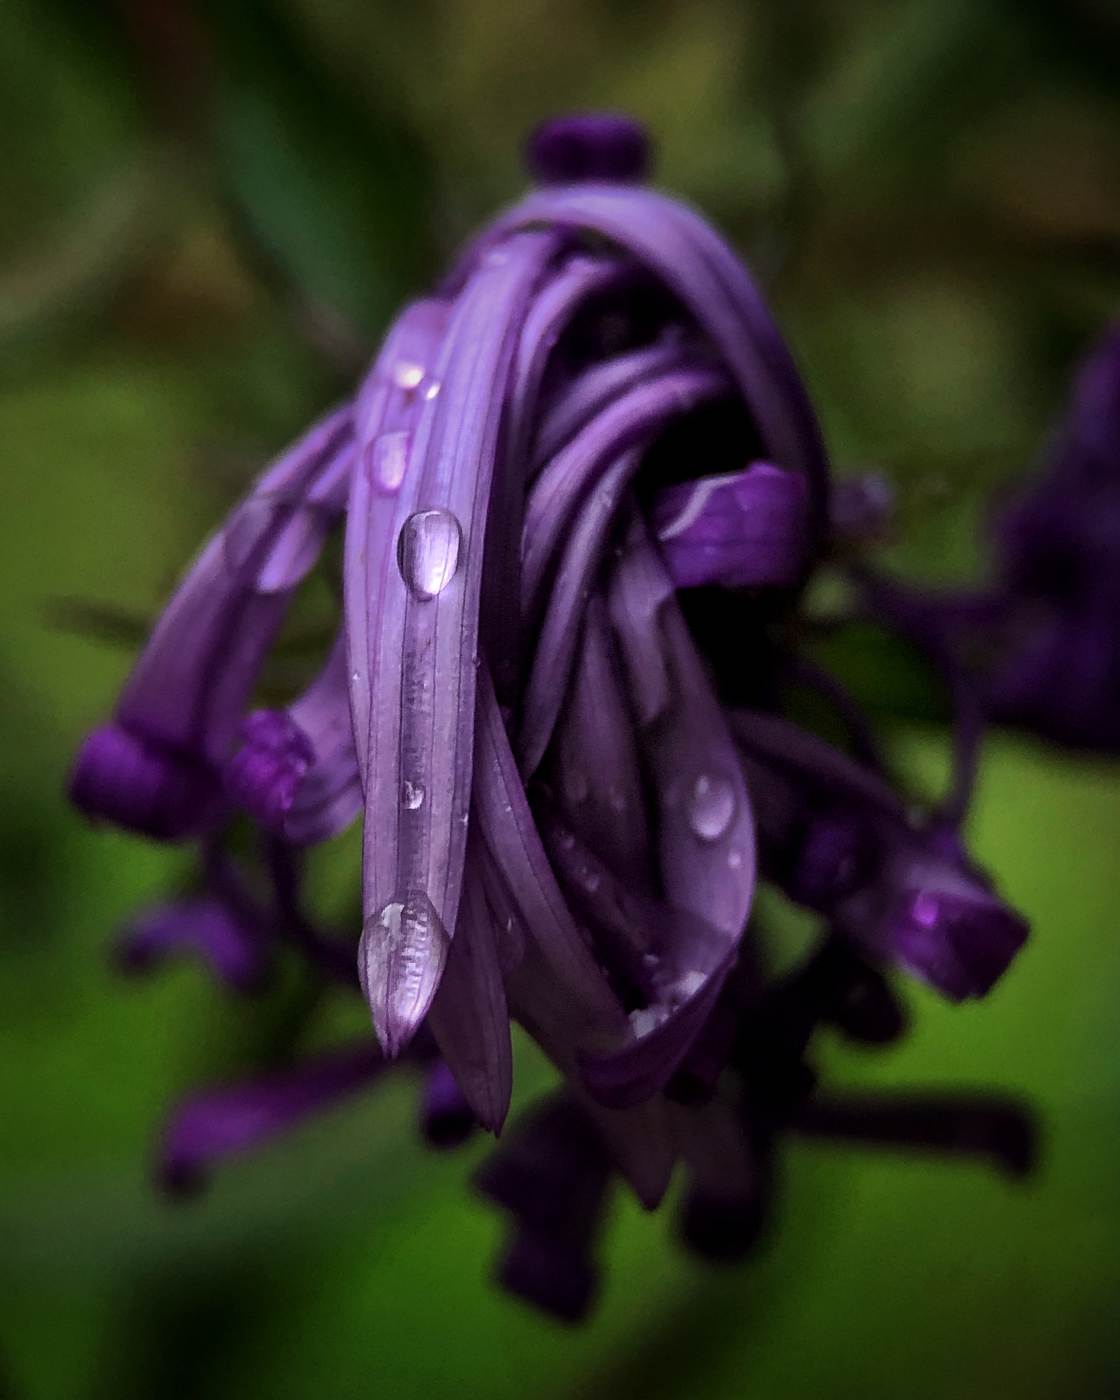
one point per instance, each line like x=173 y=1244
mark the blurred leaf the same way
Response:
x=331 y=194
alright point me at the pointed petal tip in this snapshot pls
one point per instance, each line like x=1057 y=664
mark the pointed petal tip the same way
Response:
x=401 y=957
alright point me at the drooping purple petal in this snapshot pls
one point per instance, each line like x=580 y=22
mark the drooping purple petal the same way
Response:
x=836 y=837
x=575 y=284
x=235 y=949
x=571 y=978
x=713 y=285
x=729 y=1184
x=156 y=767
x=424 y=646
x=468 y=1017
x=745 y=530
x=706 y=843
x=577 y=496
x=446 y=1118
x=596 y=775
x=224 y=1122
x=400 y=382
x=296 y=771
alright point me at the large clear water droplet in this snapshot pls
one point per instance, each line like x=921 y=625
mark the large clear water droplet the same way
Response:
x=412 y=795
x=403 y=953
x=711 y=806
x=428 y=551
x=388 y=461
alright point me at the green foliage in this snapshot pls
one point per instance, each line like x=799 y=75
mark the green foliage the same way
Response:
x=931 y=193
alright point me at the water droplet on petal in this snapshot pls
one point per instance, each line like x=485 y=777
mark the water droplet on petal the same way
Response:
x=711 y=806
x=412 y=795
x=431 y=389
x=388 y=460
x=735 y=859
x=407 y=375
x=428 y=551
x=590 y=880
x=403 y=952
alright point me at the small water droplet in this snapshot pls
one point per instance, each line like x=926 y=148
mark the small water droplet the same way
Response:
x=388 y=461
x=428 y=551
x=355 y=676
x=590 y=880
x=735 y=859
x=431 y=389
x=412 y=795
x=565 y=840
x=407 y=375
x=711 y=806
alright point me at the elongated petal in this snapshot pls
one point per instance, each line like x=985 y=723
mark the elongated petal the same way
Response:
x=425 y=646
x=469 y=1017
x=399 y=384
x=837 y=838
x=510 y=835
x=747 y=530
x=578 y=495
x=233 y=948
x=574 y=285
x=224 y=1122
x=596 y=774
x=691 y=258
x=156 y=768
x=598 y=386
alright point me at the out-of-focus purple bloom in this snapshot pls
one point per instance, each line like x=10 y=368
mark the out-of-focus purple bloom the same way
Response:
x=1040 y=642
x=576 y=485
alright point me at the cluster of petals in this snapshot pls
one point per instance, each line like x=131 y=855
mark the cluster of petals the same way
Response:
x=579 y=492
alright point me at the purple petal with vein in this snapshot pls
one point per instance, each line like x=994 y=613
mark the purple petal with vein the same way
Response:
x=746 y=530
x=155 y=768
x=469 y=1017
x=424 y=648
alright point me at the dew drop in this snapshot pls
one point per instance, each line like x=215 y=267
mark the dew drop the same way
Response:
x=711 y=806
x=428 y=551
x=431 y=389
x=389 y=461
x=412 y=795
x=407 y=375
x=404 y=948
x=735 y=859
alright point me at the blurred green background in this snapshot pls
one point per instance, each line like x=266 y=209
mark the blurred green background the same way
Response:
x=209 y=213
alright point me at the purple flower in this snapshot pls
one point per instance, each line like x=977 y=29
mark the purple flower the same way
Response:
x=574 y=486
x=1039 y=644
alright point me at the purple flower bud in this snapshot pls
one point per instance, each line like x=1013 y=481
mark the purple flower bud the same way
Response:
x=590 y=146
